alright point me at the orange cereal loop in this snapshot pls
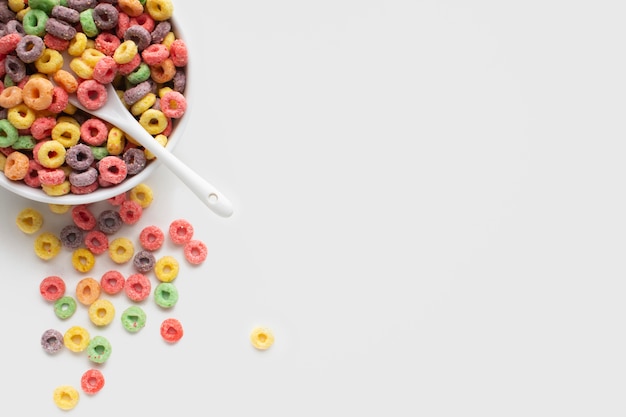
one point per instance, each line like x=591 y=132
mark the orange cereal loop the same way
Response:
x=66 y=81
x=16 y=166
x=87 y=291
x=11 y=97
x=37 y=93
x=163 y=72
x=133 y=8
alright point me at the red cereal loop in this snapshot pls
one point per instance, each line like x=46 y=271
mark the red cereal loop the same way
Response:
x=60 y=99
x=130 y=211
x=92 y=381
x=85 y=189
x=151 y=238
x=32 y=176
x=125 y=69
x=51 y=176
x=144 y=20
x=195 y=252
x=181 y=231
x=173 y=104
x=9 y=42
x=105 y=70
x=52 y=288
x=83 y=217
x=178 y=53
x=97 y=242
x=112 y=169
x=91 y=94
x=137 y=287
x=171 y=330
x=155 y=54
x=112 y=282
x=55 y=43
x=107 y=43
x=94 y=132
x=42 y=127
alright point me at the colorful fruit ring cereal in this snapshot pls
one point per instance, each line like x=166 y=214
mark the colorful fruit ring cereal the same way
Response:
x=166 y=268
x=97 y=242
x=29 y=220
x=137 y=287
x=262 y=338
x=130 y=212
x=195 y=251
x=166 y=295
x=144 y=261
x=76 y=338
x=112 y=169
x=142 y=194
x=83 y=260
x=121 y=250
x=59 y=208
x=91 y=94
x=151 y=238
x=52 y=341
x=65 y=307
x=52 y=288
x=83 y=217
x=133 y=319
x=109 y=222
x=94 y=132
x=71 y=236
x=112 y=282
x=92 y=381
x=88 y=290
x=181 y=231
x=101 y=312
x=16 y=166
x=47 y=246
x=171 y=330
x=65 y=397
x=99 y=349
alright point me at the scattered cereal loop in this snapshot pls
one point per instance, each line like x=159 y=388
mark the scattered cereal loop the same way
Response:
x=137 y=287
x=262 y=338
x=195 y=252
x=166 y=268
x=181 y=231
x=144 y=261
x=101 y=312
x=83 y=217
x=83 y=260
x=29 y=220
x=130 y=212
x=52 y=288
x=97 y=242
x=133 y=319
x=92 y=381
x=112 y=282
x=166 y=295
x=47 y=246
x=65 y=307
x=171 y=330
x=121 y=250
x=52 y=341
x=142 y=194
x=65 y=397
x=76 y=339
x=99 y=349
x=151 y=238
x=87 y=291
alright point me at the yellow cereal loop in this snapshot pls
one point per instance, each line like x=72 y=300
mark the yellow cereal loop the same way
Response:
x=57 y=190
x=29 y=220
x=20 y=15
x=164 y=90
x=51 y=154
x=143 y=104
x=21 y=116
x=141 y=194
x=81 y=68
x=65 y=397
x=160 y=9
x=101 y=312
x=59 y=208
x=66 y=133
x=162 y=139
x=121 y=250
x=77 y=45
x=91 y=56
x=76 y=338
x=83 y=260
x=168 y=40
x=166 y=268
x=125 y=52
x=116 y=141
x=49 y=62
x=16 y=5
x=47 y=246
x=154 y=121
x=68 y=119
x=3 y=161
x=262 y=338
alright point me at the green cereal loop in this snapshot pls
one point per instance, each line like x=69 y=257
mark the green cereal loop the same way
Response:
x=88 y=24
x=8 y=133
x=143 y=2
x=99 y=152
x=65 y=307
x=99 y=349
x=141 y=74
x=166 y=295
x=63 y=3
x=8 y=81
x=34 y=22
x=133 y=319
x=45 y=5
x=24 y=142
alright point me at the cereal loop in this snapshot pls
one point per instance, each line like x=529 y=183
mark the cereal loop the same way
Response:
x=76 y=339
x=171 y=330
x=92 y=381
x=87 y=291
x=83 y=260
x=101 y=312
x=121 y=250
x=52 y=288
x=180 y=231
x=166 y=268
x=112 y=282
x=47 y=246
x=137 y=287
x=262 y=338
x=29 y=220
x=65 y=397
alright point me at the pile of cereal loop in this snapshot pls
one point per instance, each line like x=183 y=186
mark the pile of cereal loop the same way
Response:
x=45 y=141
x=146 y=266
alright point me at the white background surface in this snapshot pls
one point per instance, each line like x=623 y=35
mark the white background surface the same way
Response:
x=429 y=213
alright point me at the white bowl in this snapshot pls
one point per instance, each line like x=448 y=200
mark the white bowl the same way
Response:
x=104 y=193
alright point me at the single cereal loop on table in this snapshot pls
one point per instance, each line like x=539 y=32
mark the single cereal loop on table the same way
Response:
x=99 y=349
x=87 y=291
x=76 y=339
x=47 y=246
x=133 y=319
x=121 y=250
x=29 y=220
x=137 y=287
x=101 y=312
x=65 y=397
x=151 y=238
x=52 y=288
x=130 y=212
x=65 y=307
x=112 y=282
x=71 y=236
x=16 y=166
x=97 y=242
x=144 y=261
x=195 y=251
x=180 y=231
x=83 y=260
x=83 y=217
x=166 y=268
x=171 y=330
x=109 y=222
x=262 y=338
x=166 y=295
x=52 y=341
x=142 y=194
x=92 y=381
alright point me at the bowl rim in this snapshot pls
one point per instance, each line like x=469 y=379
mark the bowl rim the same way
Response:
x=103 y=193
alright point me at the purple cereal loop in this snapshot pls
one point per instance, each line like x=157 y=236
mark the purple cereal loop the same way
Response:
x=135 y=160
x=144 y=261
x=109 y=222
x=160 y=31
x=65 y=14
x=81 y=5
x=15 y=68
x=105 y=16
x=6 y=14
x=179 y=80
x=71 y=236
x=139 y=35
x=79 y=157
x=83 y=178
x=15 y=26
x=52 y=341
x=136 y=93
x=60 y=29
x=30 y=48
